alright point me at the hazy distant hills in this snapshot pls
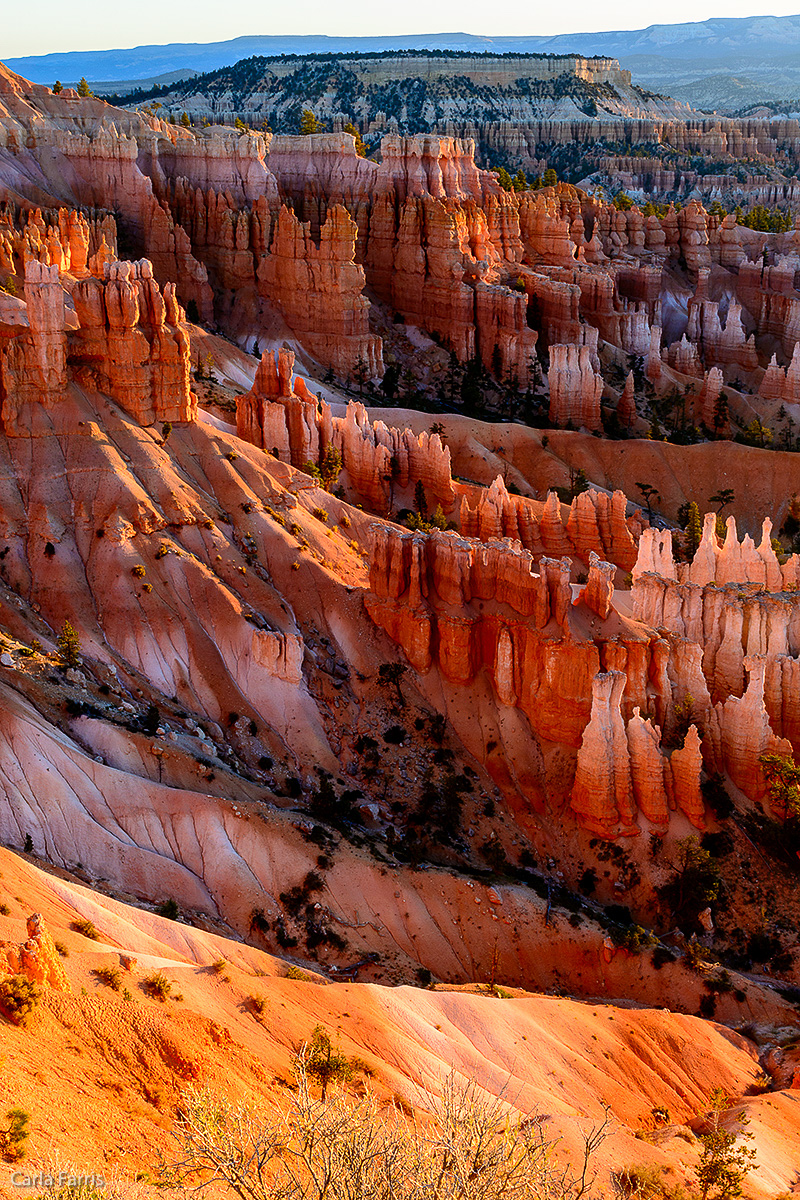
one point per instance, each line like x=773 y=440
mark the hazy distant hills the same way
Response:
x=725 y=63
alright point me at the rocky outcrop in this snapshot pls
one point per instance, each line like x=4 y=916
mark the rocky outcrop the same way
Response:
x=33 y=366
x=319 y=290
x=575 y=388
x=620 y=770
x=732 y=562
x=782 y=384
x=384 y=465
x=280 y=415
x=36 y=958
x=131 y=343
x=740 y=733
x=602 y=795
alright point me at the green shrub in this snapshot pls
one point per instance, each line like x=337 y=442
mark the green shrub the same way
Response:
x=86 y=927
x=157 y=986
x=18 y=998
x=110 y=976
x=13 y=1139
x=69 y=645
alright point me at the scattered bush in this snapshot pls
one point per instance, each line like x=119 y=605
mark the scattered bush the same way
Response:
x=18 y=998
x=87 y=928
x=14 y=1137
x=358 y=1146
x=138 y=571
x=395 y=735
x=169 y=909
x=110 y=976
x=157 y=986
x=218 y=967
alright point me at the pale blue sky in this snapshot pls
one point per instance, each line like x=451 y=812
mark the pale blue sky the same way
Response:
x=92 y=25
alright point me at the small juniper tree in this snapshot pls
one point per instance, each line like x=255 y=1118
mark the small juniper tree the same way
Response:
x=389 y=675
x=324 y=1062
x=649 y=494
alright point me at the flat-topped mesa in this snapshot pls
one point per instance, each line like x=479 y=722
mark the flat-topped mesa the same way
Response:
x=621 y=769
x=575 y=388
x=132 y=343
x=318 y=288
x=281 y=416
x=33 y=368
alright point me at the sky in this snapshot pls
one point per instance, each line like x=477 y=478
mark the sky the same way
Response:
x=98 y=25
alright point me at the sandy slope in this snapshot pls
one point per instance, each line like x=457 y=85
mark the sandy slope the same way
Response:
x=101 y=1075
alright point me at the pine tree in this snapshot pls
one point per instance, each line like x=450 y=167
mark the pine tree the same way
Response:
x=504 y=179
x=308 y=122
x=520 y=181
x=84 y=89
x=550 y=179
x=69 y=646
x=361 y=149
x=185 y=121
x=57 y=87
x=693 y=529
x=723 y=1162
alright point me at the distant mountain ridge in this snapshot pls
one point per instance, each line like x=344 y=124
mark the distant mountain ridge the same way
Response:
x=726 y=62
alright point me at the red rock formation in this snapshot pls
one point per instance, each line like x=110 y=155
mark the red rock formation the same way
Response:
x=36 y=958
x=33 y=368
x=280 y=415
x=780 y=384
x=132 y=344
x=602 y=795
x=575 y=389
x=739 y=734
x=598 y=595
x=319 y=291
x=626 y=405
x=648 y=771
x=683 y=779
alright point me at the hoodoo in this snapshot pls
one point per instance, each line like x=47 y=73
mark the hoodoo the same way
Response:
x=399 y=585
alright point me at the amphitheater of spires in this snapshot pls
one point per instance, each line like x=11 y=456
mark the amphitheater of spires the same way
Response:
x=525 y=589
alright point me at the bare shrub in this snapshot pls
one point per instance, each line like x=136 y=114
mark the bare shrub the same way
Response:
x=470 y=1148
